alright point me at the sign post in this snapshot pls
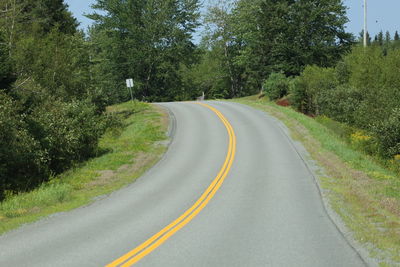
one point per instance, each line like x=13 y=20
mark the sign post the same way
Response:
x=129 y=84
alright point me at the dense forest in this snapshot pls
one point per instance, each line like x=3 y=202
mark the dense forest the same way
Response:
x=56 y=80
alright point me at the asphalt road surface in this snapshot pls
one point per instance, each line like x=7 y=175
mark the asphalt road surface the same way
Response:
x=231 y=191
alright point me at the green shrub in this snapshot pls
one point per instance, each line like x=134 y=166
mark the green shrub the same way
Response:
x=342 y=71
x=340 y=103
x=298 y=95
x=388 y=134
x=67 y=132
x=276 y=86
x=41 y=135
x=312 y=89
x=22 y=163
x=376 y=78
x=362 y=91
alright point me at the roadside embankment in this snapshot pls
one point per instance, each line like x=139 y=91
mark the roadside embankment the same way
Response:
x=131 y=145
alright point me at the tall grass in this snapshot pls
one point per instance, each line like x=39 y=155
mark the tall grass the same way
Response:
x=48 y=194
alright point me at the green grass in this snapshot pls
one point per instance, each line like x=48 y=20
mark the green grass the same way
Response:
x=361 y=188
x=127 y=149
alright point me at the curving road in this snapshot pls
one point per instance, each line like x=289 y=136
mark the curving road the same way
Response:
x=234 y=188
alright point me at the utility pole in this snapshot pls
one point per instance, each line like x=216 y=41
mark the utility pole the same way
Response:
x=365 y=24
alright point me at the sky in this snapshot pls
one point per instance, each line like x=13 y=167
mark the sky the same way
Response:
x=383 y=14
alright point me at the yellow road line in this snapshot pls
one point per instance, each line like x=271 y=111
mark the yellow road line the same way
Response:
x=156 y=240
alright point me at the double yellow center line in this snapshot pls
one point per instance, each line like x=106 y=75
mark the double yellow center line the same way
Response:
x=158 y=239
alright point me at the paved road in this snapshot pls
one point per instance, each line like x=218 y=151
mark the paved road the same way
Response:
x=267 y=212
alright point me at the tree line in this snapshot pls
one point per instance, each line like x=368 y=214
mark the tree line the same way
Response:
x=300 y=51
x=56 y=81
x=247 y=40
x=383 y=40
x=147 y=40
x=48 y=116
x=362 y=90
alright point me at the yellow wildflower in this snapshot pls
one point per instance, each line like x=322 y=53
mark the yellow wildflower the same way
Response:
x=380 y=176
x=360 y=137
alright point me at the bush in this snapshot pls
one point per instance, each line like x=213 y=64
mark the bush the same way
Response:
x=312 y=89
x=42 y=135
x=341 y=103
x=67 y=132
x=388 y=134
x=22 y=162
x=276 y=86
x=342 y=71
x=362 y=91
x=376 y=78
x=298 y=96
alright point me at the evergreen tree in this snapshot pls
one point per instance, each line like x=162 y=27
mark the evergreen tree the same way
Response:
x=27 y=17
x=396 y=36
x=361 y=38
x=44 y=15
x=36 y=33
x=324 y=23
x=380 y=38
x=288 y=35
x=375 y=40
x=388 y=38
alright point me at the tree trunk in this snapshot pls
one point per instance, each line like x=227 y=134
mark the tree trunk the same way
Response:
x=233 y=90
x=10 y=43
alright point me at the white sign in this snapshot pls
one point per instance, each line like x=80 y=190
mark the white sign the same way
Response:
x=129 y=83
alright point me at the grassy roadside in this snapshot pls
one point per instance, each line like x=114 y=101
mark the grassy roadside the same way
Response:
x=365 y=194
x=127 y=150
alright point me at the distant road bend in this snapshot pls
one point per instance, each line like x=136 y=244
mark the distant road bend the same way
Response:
x=231 y=191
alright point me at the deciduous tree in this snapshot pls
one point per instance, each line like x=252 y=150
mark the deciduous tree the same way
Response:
x=147 y=41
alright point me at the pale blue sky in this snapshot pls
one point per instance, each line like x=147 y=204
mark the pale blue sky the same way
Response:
x=383 y=14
